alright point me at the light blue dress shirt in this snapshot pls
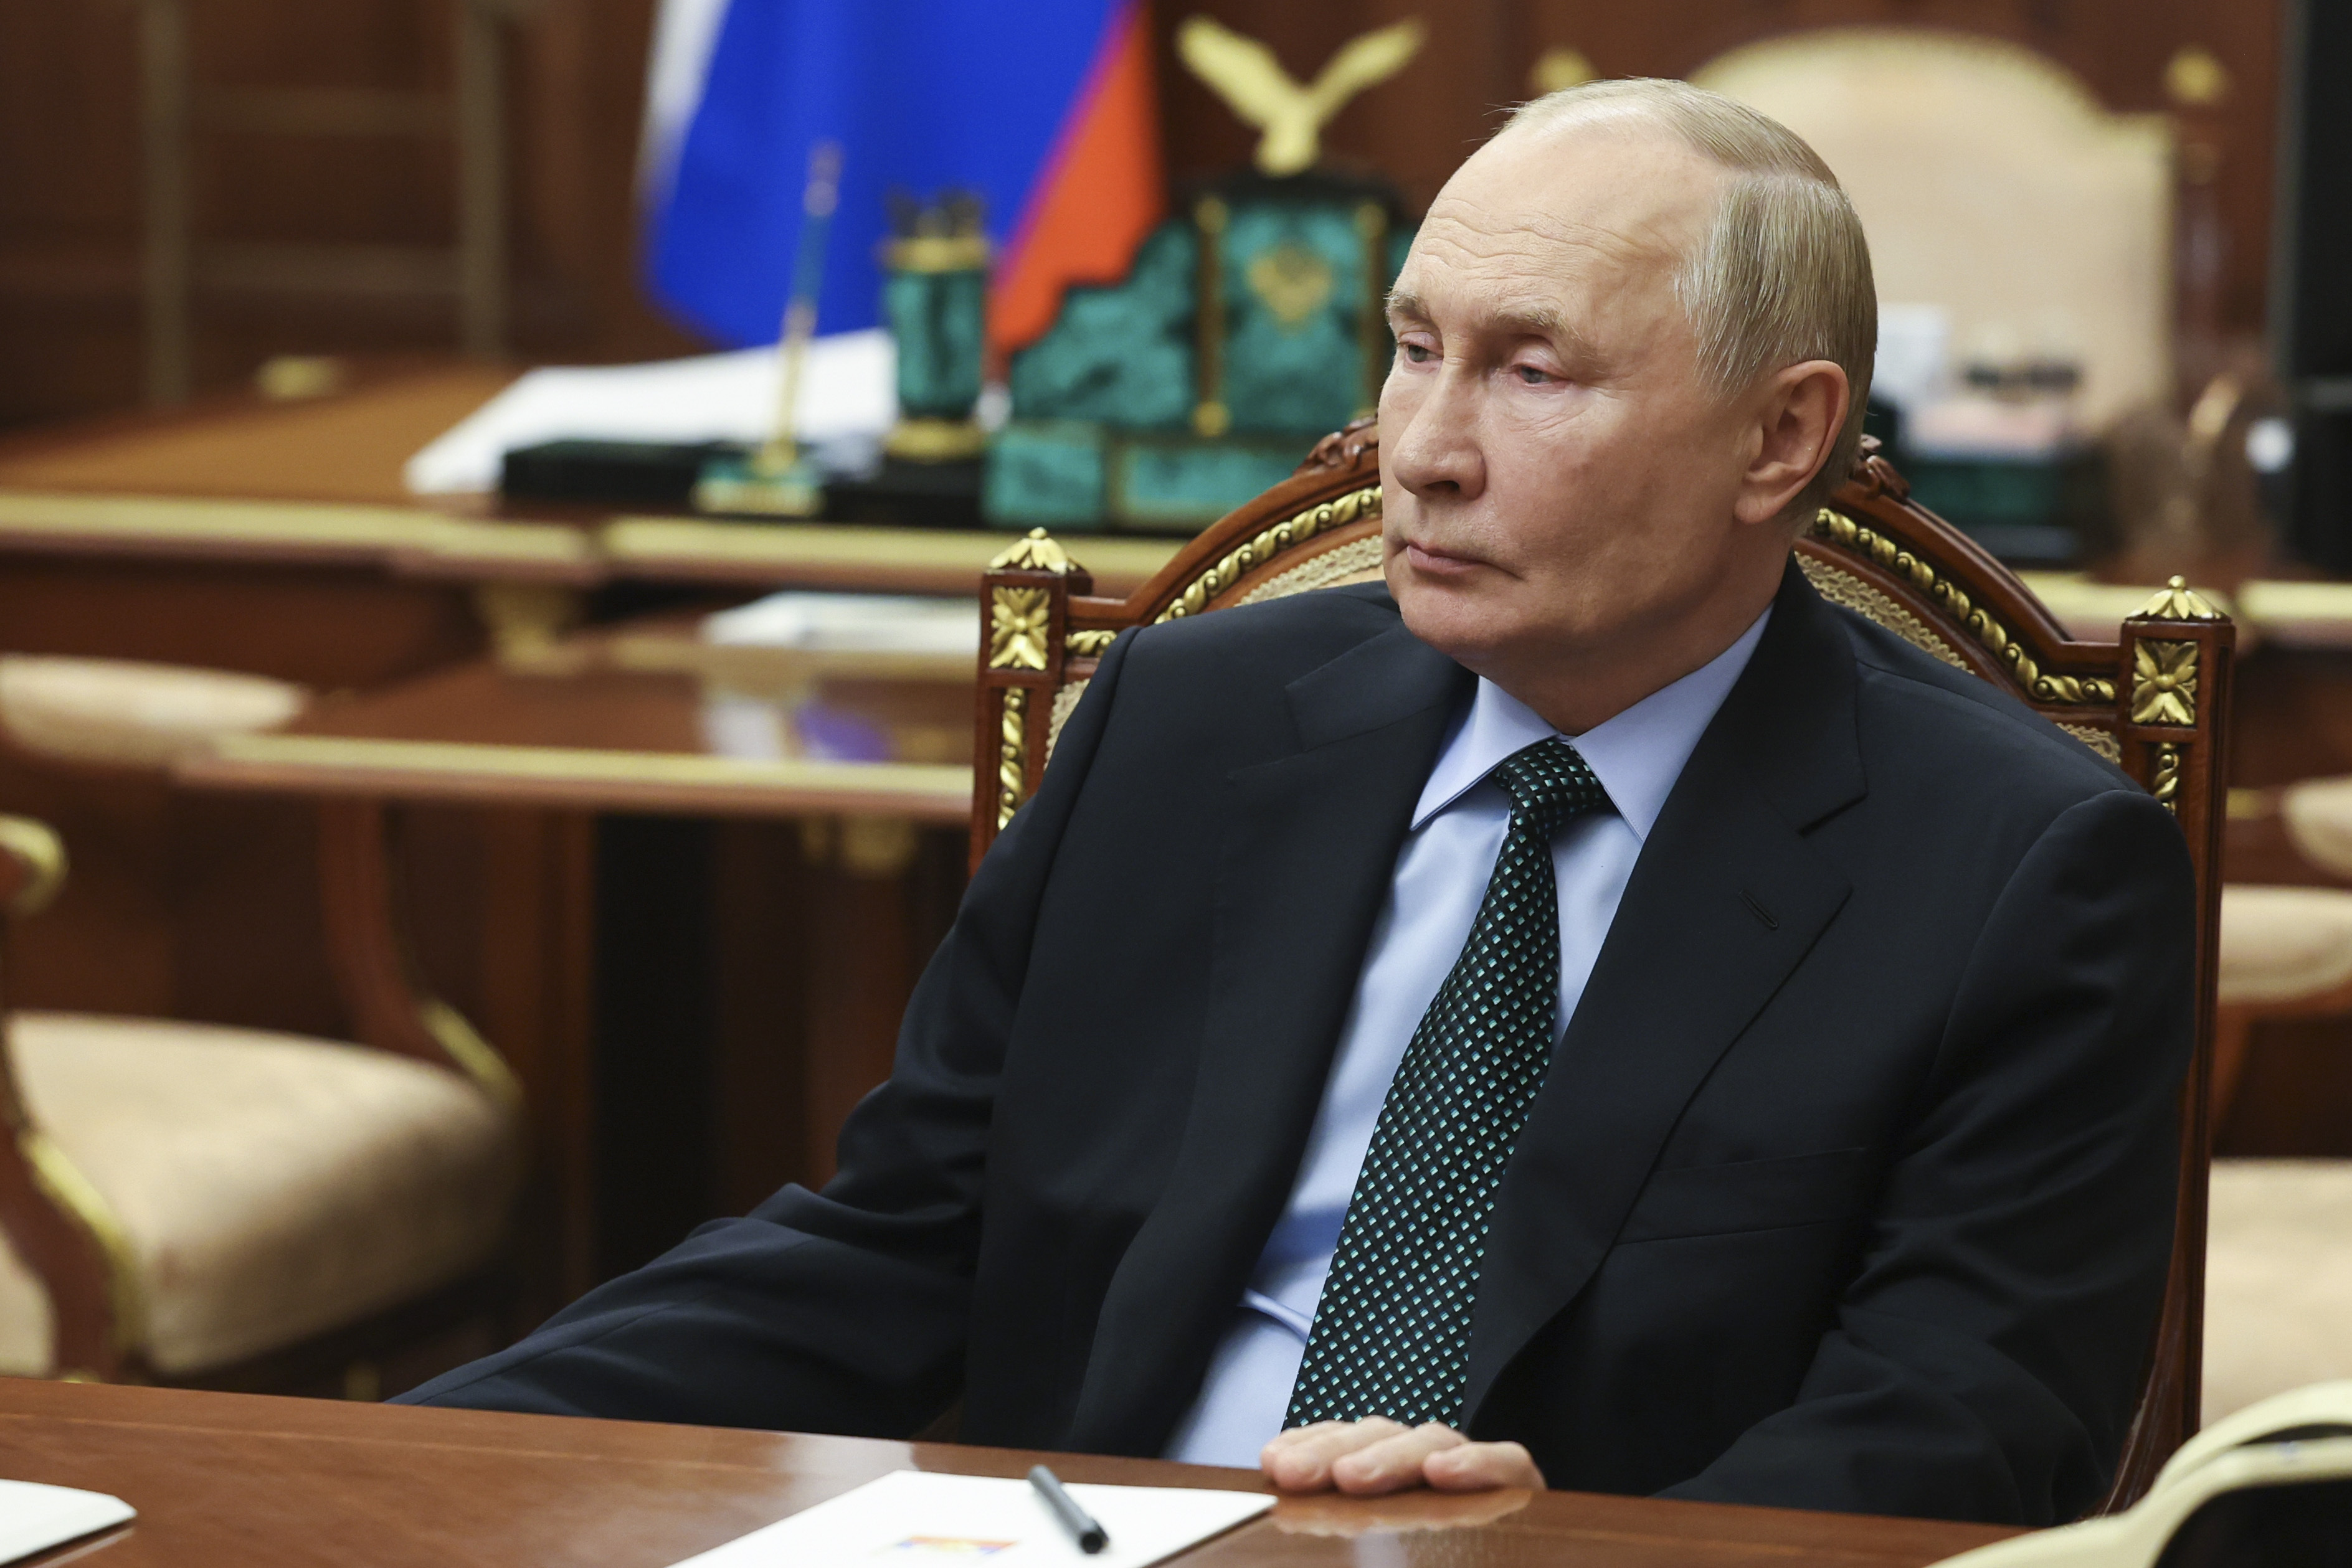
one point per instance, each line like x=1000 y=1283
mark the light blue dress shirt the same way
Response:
x=1441 y=878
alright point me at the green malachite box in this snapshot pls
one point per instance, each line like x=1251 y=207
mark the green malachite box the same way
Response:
x=1248 y=326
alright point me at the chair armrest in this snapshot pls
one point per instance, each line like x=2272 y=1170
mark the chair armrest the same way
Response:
x=59 y=1226
x=32 y=866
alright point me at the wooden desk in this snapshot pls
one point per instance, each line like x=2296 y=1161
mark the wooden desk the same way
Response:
x=317 y=483
x=726 y=1030
x=276 y=539
x=237 y=1481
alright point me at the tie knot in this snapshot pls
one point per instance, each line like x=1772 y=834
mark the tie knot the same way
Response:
x=1548 y=783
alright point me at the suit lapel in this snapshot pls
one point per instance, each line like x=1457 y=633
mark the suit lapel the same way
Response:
x=1310 y=847
x=1725 y=872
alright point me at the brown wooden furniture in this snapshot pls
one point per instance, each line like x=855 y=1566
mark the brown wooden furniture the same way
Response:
x=2155 y=703
x=71 y=282
x=224 y=1479
x=275 y=539
x=824 y=872
x=177 y=111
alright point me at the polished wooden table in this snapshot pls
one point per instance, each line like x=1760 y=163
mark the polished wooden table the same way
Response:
x=225 y=1480
x=276 y=538
x=831 y=879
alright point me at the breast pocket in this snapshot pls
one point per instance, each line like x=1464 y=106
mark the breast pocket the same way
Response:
x=1747 y=1195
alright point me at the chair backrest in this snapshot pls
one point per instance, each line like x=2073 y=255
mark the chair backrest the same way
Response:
x=2155 y=703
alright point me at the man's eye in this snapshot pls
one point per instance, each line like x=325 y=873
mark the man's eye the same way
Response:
x=1530 y=376
x=1416 y=353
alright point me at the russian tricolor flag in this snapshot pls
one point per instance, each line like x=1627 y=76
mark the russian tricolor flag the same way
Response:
x=1043 y=107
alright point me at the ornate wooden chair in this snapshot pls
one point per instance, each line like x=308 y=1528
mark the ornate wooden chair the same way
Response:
x=2156 y=704
x=224 y=1208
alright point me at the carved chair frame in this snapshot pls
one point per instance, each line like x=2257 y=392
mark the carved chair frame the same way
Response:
x=66 y=1232
x=2155 y=702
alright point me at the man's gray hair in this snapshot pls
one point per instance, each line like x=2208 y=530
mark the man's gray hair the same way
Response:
x=1782 y=273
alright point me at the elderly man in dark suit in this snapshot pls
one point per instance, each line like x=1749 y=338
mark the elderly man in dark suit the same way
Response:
x=1587 y=1012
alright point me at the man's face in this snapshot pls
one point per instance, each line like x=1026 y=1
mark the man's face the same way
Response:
x=1555 y=469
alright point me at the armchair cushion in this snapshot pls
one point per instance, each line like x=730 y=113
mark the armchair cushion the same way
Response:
x=122 y=712
x=270 y=1187
x=2278 y=1281
x=2283 y=944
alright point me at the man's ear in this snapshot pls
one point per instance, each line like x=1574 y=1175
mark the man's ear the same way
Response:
x=1799 y=413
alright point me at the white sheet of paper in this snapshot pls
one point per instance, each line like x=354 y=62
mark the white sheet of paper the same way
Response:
x=849 y=392
x=33 y=1518
x=910 y=1519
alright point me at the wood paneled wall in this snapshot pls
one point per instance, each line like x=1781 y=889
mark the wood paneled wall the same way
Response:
x=70 y=185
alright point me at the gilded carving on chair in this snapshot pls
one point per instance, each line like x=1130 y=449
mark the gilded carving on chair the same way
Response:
x=2166 y=785
x=1839 y=529
x=1013 y=754
x=1017 y=622
x=1842 y=588
x=1089 y=645
x=1065 y=703
x=2164 y=683
x=1288 y=534
x=1035 y=551
x=1357 y=563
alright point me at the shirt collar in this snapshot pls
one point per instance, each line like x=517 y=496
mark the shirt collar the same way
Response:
x=1637 y=755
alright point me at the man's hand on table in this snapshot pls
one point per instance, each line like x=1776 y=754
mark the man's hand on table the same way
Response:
x=1378 y=1455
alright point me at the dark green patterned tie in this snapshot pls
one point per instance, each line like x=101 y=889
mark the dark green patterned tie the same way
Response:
x=1392 y=1330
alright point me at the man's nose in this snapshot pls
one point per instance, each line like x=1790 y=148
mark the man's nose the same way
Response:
x=1437 y=454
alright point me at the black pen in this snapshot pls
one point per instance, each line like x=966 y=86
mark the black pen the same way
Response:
x=1091 y=1537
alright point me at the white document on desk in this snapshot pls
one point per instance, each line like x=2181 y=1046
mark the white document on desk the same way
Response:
x=911 y=1519
x=33 y=1518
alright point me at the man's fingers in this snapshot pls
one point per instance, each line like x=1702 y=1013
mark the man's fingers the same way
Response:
x=1300 y=1460
x=1482 y=1467
x=1394 y=1462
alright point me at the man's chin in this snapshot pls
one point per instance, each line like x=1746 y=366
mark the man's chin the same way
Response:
x=1454 y=617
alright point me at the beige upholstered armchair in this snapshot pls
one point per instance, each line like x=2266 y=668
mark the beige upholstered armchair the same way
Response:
x=2155 y=703
x=195 y=1204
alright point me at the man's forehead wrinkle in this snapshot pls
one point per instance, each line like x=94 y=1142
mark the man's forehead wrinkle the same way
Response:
x=1643 y=237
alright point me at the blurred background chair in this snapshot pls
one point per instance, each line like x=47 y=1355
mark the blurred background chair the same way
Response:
x=195 y=1202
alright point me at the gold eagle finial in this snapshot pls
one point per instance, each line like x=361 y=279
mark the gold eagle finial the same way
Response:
x=1245 y=73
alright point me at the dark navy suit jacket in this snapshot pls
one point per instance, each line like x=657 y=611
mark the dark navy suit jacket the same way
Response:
x=1850 y=1187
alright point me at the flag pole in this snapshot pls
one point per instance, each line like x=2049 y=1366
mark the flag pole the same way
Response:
x=778 y=480
x=822 y=194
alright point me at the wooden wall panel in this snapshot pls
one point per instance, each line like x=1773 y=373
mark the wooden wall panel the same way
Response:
x=69 y=168
x=1418 y=126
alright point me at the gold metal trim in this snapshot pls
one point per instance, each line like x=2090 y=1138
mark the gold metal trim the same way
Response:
x=1372 y=322
x=935 y=440
x=2164 y=683
x=1089 y=645
x=871 y=552
x=936 y=253
x=1017 y=622
x=363 y=530
x=2166 y=786
x=1013 y=754
x=2176 y=600
x=478 y=1058
x=1288 y=534
x=1210 y=418
x=1997 y=639
x=61 y=1181
x=43 y=855
x=930 y=790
